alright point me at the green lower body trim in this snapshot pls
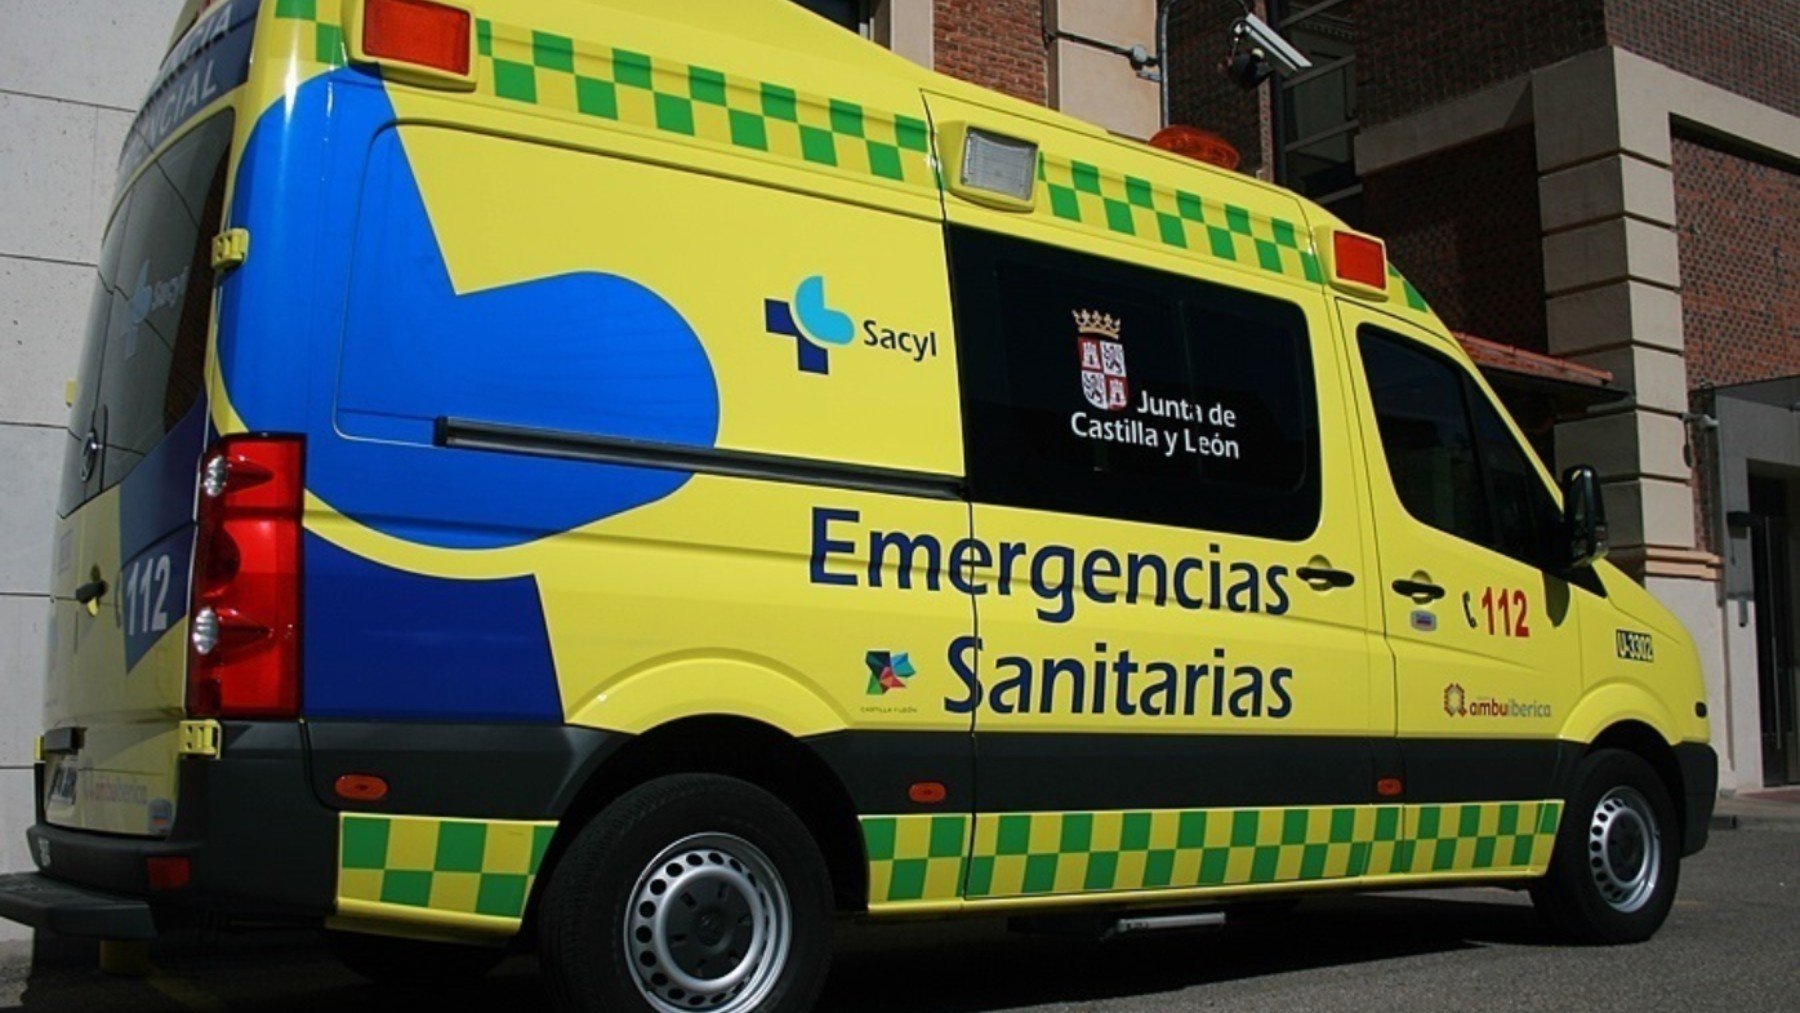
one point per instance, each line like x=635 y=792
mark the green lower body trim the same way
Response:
x=474 y=875
x=936 y=858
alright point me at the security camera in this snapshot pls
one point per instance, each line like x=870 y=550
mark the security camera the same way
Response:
x=1263 y=52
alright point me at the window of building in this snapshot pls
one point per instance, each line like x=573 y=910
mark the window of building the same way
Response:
x=1315 y=110
x=855 y=15
x=1452 y=460
x=1099 y=388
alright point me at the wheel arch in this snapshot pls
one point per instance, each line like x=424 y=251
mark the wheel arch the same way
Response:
x=739 y=747
x=1646 y=743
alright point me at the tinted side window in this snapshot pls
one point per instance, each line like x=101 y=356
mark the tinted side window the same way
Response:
x=1527 y=520
x=1426 y=437
x=1454 y=463
x=1102 y=389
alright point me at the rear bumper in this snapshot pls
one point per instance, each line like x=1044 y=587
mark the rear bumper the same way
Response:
x=1700 y=790
x=256 y=838
x=44 y=903
x=259 y=824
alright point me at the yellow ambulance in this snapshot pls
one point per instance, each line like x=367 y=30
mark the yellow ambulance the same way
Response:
x=637 y=480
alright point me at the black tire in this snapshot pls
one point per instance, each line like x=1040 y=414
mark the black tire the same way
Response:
x=697 y=823
x=412 y=963
x=1589 y=893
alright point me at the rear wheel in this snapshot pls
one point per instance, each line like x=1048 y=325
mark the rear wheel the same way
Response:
x=692 y=892
x=1617 y=859
x=413 y=963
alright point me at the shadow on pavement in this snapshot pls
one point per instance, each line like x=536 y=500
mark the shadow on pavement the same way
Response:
x=939 y=966
x=1001 y=971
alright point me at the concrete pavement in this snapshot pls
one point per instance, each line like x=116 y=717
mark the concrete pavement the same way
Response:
x=1729 y=945
x=1778 y=809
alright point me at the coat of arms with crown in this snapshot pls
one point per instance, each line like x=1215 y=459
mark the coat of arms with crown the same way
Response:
x=1102 y=360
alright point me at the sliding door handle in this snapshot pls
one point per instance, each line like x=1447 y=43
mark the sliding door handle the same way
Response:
x=1323 y=577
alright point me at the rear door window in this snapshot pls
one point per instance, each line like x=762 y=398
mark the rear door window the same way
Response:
x=143 y=366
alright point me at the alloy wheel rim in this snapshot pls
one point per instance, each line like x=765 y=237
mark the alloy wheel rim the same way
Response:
x=1625 y=850
x=709 y=926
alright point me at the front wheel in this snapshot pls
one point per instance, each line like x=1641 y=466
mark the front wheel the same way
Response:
x=692 y=892
x=1617 y=858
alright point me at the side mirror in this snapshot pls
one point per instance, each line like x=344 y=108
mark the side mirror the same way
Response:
x=1584 y=517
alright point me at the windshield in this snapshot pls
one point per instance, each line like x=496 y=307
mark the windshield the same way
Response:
x=143 y=364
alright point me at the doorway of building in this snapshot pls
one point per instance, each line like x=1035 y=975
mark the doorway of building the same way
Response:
x=1772 y=565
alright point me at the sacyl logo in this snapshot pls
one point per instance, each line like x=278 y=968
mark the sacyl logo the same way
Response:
x=816 y=328
x=149 y=298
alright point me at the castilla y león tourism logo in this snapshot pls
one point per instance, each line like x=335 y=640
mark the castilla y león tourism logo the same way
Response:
x=888 y=670
x=1103 y=377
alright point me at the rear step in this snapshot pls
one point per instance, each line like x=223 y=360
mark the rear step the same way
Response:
x=1103 y=926
x=43 y=903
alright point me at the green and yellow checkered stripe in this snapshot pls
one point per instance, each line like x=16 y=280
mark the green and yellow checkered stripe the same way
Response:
x=585 y=80
x=1402 y=293
x=762 y=118
x=914 y=859
x=322 y=25
x=1140 y=210
x=415 y=867
x=1476 y=837
x=581 y=79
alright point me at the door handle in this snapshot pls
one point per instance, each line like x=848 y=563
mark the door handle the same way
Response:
x=90 y=592
x=1325 y=576
x=1422 y=590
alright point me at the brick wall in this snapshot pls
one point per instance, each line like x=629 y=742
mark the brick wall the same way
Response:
x=1740 y=265
x=1199 y=93
x=997 y=44
x=1752 y=49
x=1412 y=54
x=1463 y=226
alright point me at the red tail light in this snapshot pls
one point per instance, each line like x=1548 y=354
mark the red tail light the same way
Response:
x=168 y=872
x=418 y=31
x=244 y=628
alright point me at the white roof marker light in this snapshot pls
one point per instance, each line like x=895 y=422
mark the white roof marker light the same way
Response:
x=990 y=168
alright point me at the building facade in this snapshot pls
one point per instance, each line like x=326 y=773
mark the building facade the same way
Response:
x=1607 y=186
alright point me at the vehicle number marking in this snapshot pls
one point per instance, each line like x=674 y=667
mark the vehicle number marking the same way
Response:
x=1511 y=607
x=147 y=595
x=1636 y=646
